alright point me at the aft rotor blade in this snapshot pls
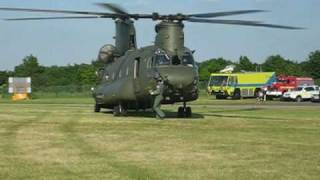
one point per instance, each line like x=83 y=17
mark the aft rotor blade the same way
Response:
x=226 y=13
x=113 y=7
x=243 y=23
x=56 y=11
x=54 y=18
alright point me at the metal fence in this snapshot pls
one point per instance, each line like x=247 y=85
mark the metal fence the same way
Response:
x=62 y=91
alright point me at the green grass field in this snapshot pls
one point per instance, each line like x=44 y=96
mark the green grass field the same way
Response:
x=64 y=139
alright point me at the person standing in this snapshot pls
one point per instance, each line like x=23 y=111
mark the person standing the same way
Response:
x=158 y=97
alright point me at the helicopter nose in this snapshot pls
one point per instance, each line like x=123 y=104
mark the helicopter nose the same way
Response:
x=179 y=77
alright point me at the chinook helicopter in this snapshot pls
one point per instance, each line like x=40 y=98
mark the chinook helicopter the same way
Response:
x=144 y=78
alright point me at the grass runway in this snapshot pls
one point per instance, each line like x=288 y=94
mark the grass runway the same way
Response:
x=64 y=139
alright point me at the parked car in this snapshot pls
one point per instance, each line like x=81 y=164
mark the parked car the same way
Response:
x=301 y=93
x=315 y=97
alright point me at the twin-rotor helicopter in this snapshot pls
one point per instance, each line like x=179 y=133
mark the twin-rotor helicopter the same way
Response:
x=142 y=78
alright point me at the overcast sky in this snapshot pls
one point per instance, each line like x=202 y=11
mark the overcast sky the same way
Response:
x=62 y=42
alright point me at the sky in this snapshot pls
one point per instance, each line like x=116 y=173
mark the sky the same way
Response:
x=63 y=42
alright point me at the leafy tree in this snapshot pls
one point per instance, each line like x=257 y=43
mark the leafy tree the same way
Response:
x=312 y=65
x=212 y=66
x=86 y=74
x=4 y=75
x=281 y=66
x=58 y=76
x=31 y=68
x=97 y=64
x=245 y=64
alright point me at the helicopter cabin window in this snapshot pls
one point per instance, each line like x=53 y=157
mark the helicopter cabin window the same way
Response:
x=187 y=59
x=120 y=74
x=107 y=77
x=148 y=64
x=136 y=68
x=100 y=72
x=132 y=40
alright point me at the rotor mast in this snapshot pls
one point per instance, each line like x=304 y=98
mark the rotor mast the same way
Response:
x=125 y=38
x=170 y=36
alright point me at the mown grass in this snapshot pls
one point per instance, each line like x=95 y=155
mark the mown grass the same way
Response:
x=64 y=139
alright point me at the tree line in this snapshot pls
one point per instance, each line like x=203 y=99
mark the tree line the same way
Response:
x=77 y=74
x=85 y=74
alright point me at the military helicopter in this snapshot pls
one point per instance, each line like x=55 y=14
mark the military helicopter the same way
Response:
x=143 y=78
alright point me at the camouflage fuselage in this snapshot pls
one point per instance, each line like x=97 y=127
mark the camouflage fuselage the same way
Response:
x=129 y=78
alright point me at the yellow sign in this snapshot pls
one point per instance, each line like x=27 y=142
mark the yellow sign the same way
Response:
x=17 y=97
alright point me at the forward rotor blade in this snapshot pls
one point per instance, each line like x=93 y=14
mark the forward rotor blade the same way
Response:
x=55 y=11
x=113 y=7
x=226 y=13
x=243 y=23
x=54 y=18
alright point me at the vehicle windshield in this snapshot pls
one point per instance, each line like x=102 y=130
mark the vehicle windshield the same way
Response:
x=298 y=89
x=218 y=80
x=282 y=80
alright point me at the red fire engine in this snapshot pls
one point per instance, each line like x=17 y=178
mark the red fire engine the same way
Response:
x=285 y=83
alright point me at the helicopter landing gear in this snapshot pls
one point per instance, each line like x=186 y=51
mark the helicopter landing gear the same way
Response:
x=97 y=108
x=119 y=110
x=184 y=111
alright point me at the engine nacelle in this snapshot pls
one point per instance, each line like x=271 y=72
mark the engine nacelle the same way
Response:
x=107 y=53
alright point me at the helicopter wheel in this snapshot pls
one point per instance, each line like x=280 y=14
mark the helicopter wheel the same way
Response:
x=184 y=111
x=180 y=112
x=188 y=112
x=97 y=108
x=116 y=111
x=119 y=111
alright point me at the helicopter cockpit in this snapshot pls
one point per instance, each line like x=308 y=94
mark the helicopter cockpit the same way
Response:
x=162 y=58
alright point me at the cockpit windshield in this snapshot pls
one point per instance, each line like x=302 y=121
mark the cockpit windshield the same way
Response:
x=162 y=58
x=187 y=59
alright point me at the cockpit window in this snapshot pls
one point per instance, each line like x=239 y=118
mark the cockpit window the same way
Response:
x=187 y=59
x=161 y=58
x=176 y=60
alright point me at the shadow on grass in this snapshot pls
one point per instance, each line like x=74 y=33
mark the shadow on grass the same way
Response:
x=225 y=115
x=242 y=116
x=150 y=114
x=237 y=110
